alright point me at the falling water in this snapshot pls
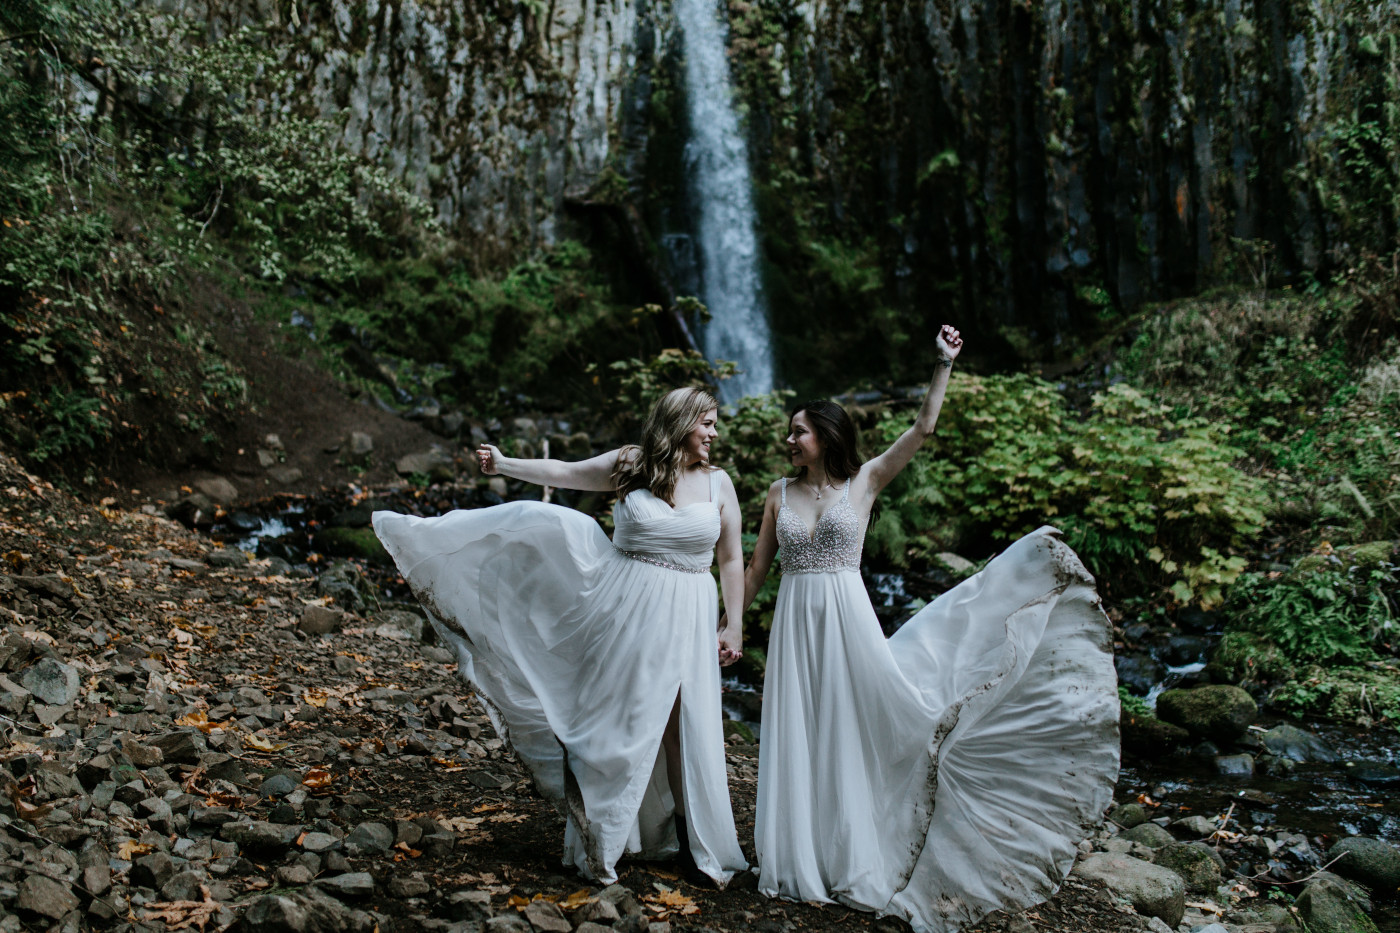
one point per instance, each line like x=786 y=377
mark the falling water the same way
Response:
x=718 y=163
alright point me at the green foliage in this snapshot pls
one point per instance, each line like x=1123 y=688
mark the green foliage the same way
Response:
x=1354 y=694
x=1138 y=492
x=1331 y=615
x=1132 y=705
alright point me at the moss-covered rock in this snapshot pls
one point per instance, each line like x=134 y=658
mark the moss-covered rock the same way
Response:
x=1149 y=834
x=1197 y=865
x=1372 y=862
x=1330 y=905
x=1218 y=712
x=351 y=542
x=1148 y=736
x=1243 y=657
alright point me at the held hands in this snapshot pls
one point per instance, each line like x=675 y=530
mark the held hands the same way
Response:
x=949 y=342
x=730 y=644
x=488 y=458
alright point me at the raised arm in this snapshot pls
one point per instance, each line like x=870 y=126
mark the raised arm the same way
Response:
x=731 y=573
x=592 y=474
x=884 y=468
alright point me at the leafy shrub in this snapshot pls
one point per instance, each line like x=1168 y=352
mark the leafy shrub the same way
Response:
x=1341 y=613
x=1353 y=694
x=1138 y=491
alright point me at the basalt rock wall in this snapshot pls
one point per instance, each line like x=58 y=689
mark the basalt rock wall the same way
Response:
x=1033 y=165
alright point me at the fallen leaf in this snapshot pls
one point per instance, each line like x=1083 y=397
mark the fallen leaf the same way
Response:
x=130 y=849
x=318 y=779
x=262 y=744
x=577 y=899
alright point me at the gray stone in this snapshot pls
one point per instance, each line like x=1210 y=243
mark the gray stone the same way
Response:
x=470 y=905
x=1197 y=826
x=1129 y=815
x=227 y=557
x=184 y=886
x=303 y=912
x=180 y=748
x=1241 y=765
x=1218 y=712
x=284 y=475
x=279 y=785
x=350 y=884
x=547 y=917
x=435 y=463
x=370 y=839
x=51 y=682
x=400 y=886
x=260 y=837
x=507 y=923
x=955 y=562
x=1287 y=741
x=1194 y=862
x=1151 y=889
x=218 y=489
x=319 y=842
x=294 y=875
x=152 y=871
x=1149 y=834
x=622 y=899
x=1372 y=862
x=321 y=620
x=361 y=444
x=600 y=911
x=44 y=895
x=1330 y=905
x=400 y=625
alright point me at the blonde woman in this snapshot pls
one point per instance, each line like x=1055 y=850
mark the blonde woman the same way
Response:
x=595 y=659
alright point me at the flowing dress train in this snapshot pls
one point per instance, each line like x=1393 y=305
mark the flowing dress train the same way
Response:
x=578 y=648
x=950 y=770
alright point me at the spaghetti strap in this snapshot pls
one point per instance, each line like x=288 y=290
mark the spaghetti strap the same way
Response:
x=785 y=482
x=714 y=479
x=846 y=493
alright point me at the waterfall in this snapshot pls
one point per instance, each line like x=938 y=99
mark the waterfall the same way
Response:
x=717 y=160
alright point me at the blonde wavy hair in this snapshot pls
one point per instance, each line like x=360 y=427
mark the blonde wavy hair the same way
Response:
x=655 y=463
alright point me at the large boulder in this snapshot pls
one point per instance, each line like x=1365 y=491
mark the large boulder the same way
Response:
x=1153 y=891
x=1218 y=712
x=1149 y=834
x=1195 y=862
x=351 y=542
x=1372 y=862
x=1149 y=737
x=1330 y=905
x=52 y=682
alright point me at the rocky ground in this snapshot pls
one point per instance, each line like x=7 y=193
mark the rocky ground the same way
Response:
x=192 y=739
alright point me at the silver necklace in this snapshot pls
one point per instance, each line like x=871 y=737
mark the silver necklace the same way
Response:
x=817 y=490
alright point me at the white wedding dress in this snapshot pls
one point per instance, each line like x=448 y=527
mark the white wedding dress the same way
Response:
x=578 y=648
x=950 y=770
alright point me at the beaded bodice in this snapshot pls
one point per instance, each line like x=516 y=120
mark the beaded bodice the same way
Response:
x=834 y=544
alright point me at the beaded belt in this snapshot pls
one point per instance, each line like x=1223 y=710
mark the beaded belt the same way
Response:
x=657 y=562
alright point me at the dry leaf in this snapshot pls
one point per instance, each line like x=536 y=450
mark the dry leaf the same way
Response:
x=262 y=744
x=200 y=720
x=508 y=818
x=318 y=779
x=182 y=915
x=463 y=824
x=577 y=899
x=130 y=849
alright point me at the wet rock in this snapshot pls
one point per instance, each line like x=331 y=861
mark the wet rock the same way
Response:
x=350 y=884
x=1183 y=650
x=193 y=511
x=1372 y=862
x=370 y=839
x=1241 y=765
x=1149 y=834
x=51 y=682
x=1329 y=905
x=1139 y=672
x=1290 y=742
x=1149 y=737
x=1153 y=891
x=321 y=620
x=1218 y=712
x=1375 y=773
x=1197 y=865
x=1129 y=815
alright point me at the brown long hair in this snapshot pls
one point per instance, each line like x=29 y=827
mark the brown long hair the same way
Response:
x=837 y=433
x=655 y=463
